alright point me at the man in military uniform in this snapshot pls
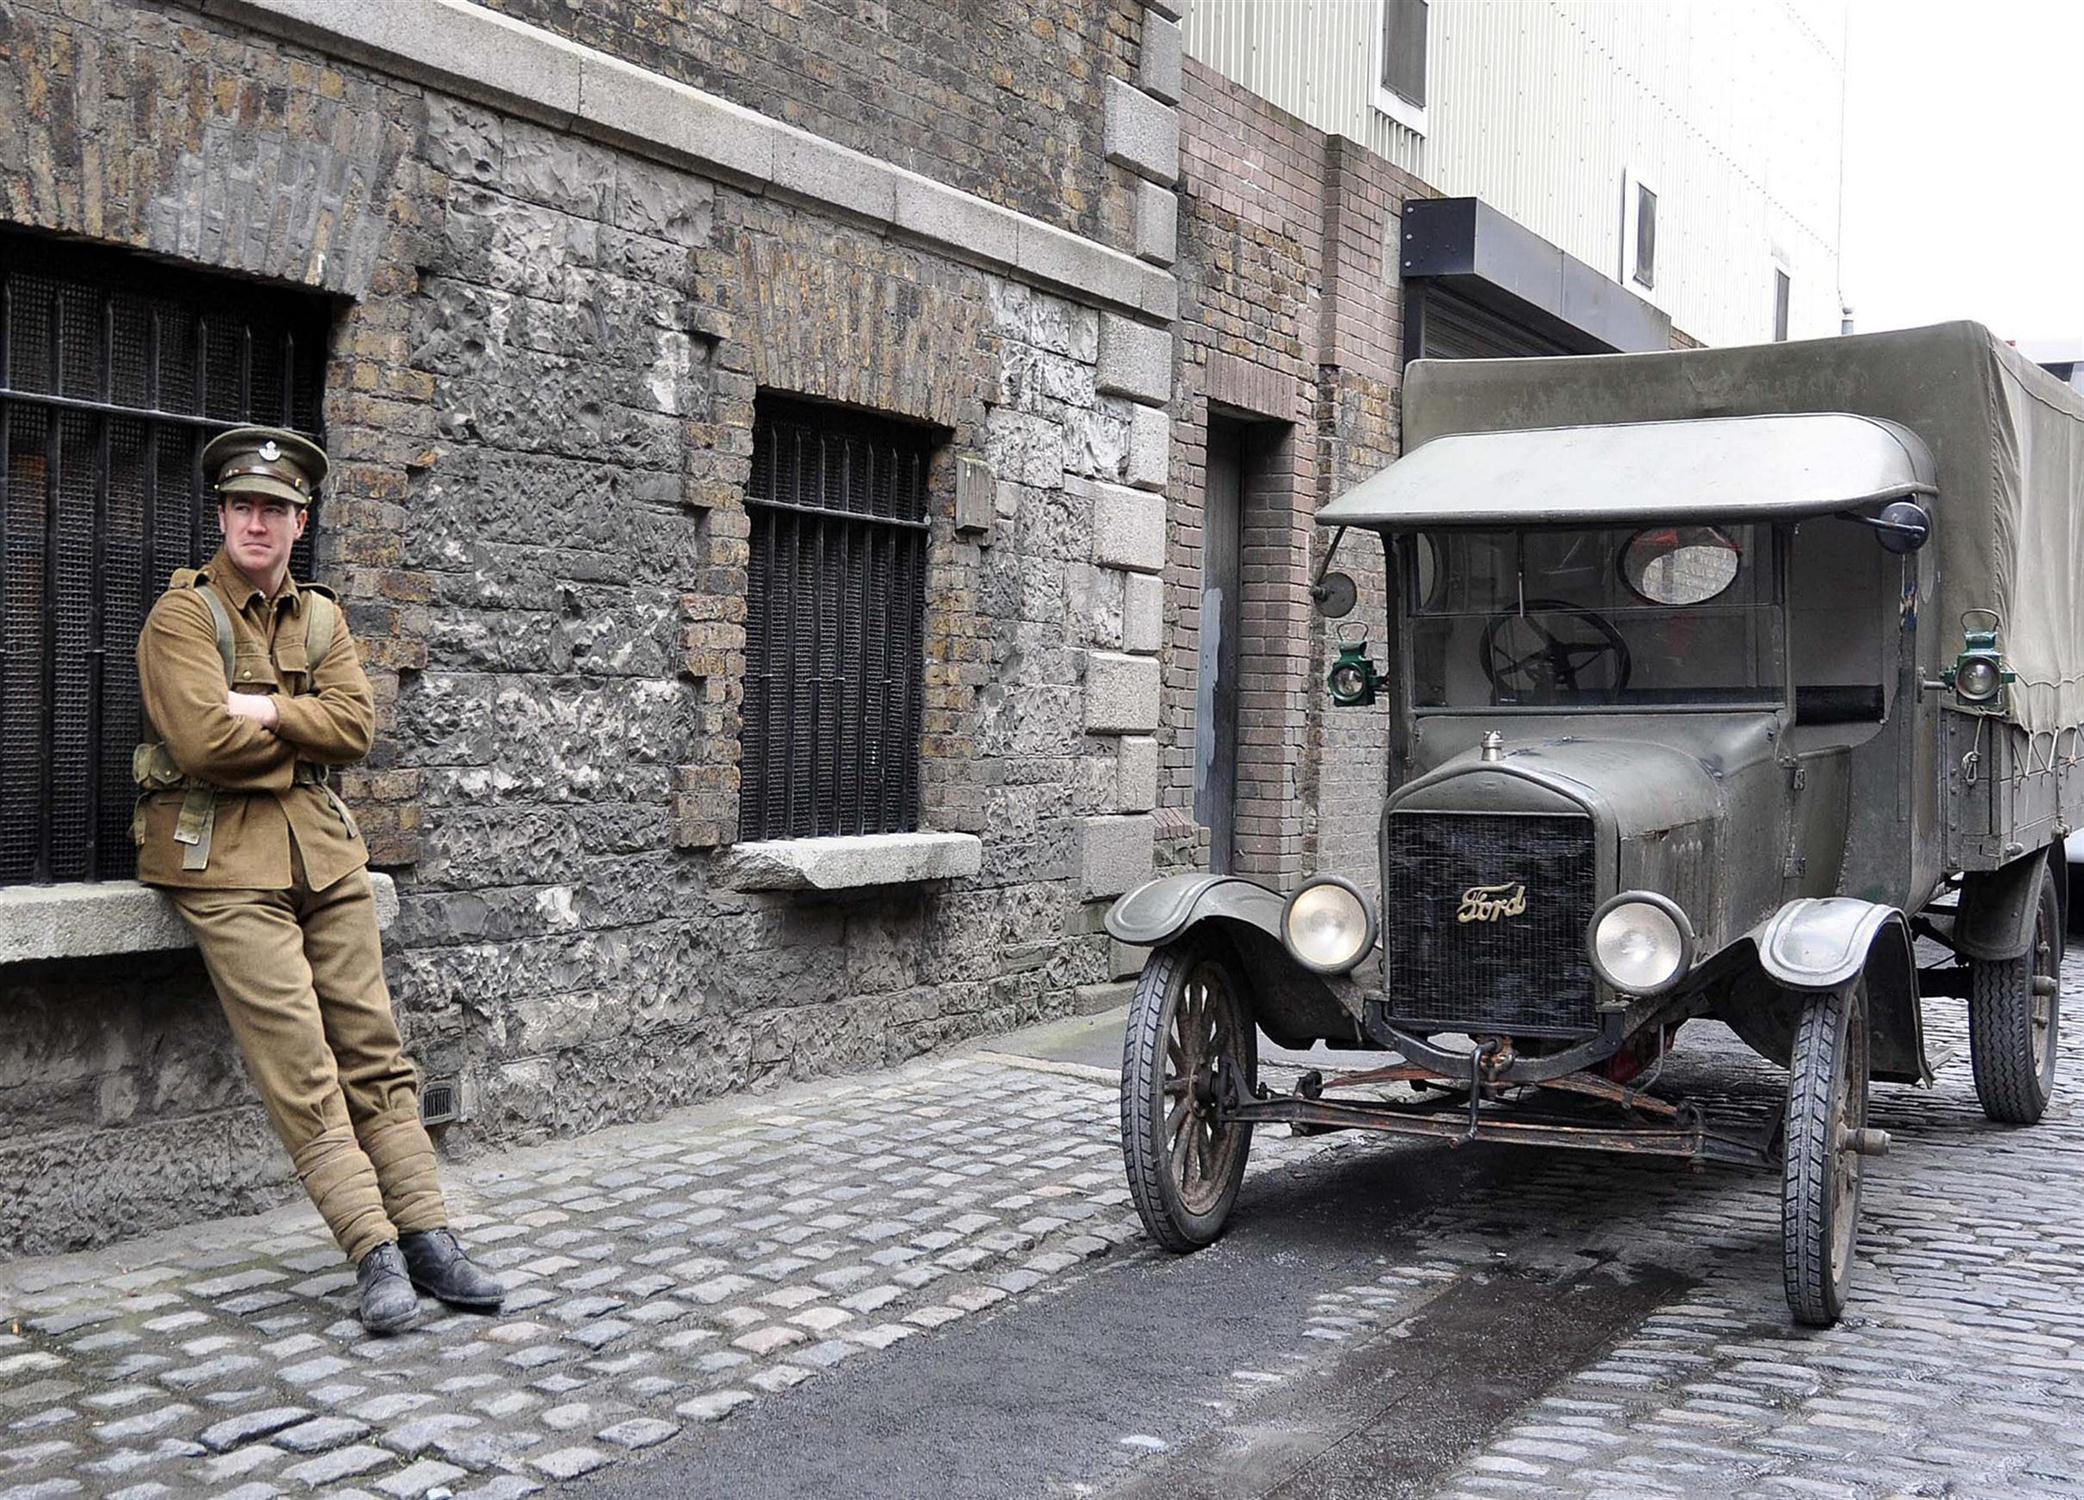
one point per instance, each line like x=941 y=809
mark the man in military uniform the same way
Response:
x=253 y=691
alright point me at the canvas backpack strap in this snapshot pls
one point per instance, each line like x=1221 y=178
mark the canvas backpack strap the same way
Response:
x=321 y=618
x=222 y=619
x=198 y=817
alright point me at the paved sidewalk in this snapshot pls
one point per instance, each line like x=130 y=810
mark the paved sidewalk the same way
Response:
x=662 y=1275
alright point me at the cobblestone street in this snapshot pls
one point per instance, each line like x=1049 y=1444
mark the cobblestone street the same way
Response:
x=669 y=1277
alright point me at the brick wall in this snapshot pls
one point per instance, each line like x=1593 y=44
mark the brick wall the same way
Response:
x=1290 y=321
x=540 y=395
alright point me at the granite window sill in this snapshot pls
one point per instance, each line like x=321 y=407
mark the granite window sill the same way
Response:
x=849 y=863
x=102 y=918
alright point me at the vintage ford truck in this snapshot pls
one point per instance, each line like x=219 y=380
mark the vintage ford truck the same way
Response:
x=1713 y=680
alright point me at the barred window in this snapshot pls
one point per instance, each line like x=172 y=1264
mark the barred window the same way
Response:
x=114 y=371
x=834 y=623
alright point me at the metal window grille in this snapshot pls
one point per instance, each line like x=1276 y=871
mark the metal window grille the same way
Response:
x=114 y=371
x=834 y=623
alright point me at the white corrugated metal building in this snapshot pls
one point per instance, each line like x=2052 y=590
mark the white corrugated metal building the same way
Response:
x=1721 y=119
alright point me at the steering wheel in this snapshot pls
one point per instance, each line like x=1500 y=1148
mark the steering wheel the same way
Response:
x=1538 y=654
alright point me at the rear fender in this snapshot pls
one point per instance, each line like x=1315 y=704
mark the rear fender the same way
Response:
x=1995 y=920
x=1288 y=1002
x=1820 y=944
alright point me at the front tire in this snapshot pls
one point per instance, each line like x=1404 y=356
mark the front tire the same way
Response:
x=1190 y=1046
x=1820 y=1179
x=2015 y=1018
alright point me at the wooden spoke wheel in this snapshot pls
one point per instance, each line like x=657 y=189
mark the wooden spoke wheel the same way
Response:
x=1190 y=1048
x=1820 y=1179
x=2015 y=1018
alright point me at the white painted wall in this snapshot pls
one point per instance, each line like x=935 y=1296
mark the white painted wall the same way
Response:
x=1733 y=110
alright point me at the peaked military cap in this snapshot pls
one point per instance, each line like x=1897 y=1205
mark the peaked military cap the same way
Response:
x=267 y=461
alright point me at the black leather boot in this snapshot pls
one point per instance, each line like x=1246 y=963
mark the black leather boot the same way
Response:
x=387 y=1300
x=439 y=1268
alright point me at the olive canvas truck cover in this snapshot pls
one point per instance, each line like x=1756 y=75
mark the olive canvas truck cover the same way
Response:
x=2007 y=440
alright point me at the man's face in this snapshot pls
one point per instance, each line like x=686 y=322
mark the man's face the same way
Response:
x=259 y=532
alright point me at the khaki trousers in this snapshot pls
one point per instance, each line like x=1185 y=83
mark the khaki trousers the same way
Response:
x=300 y=975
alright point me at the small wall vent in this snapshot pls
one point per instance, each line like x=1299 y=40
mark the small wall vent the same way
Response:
x=441 y=1101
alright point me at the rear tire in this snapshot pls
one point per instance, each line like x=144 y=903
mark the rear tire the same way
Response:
x=1190 y=1044
x=2013 y=1030
x=1820 y=1179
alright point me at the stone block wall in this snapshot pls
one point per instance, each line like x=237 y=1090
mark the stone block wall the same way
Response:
x=546 y=359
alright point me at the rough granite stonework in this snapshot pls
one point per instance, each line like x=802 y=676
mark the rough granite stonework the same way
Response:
x=546 y=359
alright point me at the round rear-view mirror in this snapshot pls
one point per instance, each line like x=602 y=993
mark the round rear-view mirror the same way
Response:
x=1904 y=526
x=1680 y=564
x=1335 y=596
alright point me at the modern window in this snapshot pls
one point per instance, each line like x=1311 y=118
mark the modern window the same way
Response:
x=114 y=371
x=1783 y=290
x=1400 y=64
x=1638 y=233
x=834 y=622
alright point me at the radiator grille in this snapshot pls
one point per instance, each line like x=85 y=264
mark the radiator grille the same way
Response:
x=1522 y=973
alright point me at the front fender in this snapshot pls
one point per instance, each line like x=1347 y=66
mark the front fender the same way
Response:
x=1160 y=910
x=1822 y=943
x=1289 y=1003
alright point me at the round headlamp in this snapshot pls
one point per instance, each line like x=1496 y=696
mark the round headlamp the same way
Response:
x=1328 y=925
x=1348 y=680
x=1978 y=679
x=1640 y=943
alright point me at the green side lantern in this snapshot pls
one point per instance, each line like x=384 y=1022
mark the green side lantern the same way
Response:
x=1353 y=677
x=1978 y=675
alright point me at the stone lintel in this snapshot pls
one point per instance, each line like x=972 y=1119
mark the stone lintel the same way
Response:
x=105 y=918
x=845 y=863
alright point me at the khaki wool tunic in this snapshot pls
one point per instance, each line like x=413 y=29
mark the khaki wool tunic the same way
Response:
x=330 y=722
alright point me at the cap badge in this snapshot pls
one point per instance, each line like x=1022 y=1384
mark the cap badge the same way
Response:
x=270 y=451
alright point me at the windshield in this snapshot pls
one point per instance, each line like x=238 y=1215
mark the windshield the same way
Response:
x=1684 y=616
